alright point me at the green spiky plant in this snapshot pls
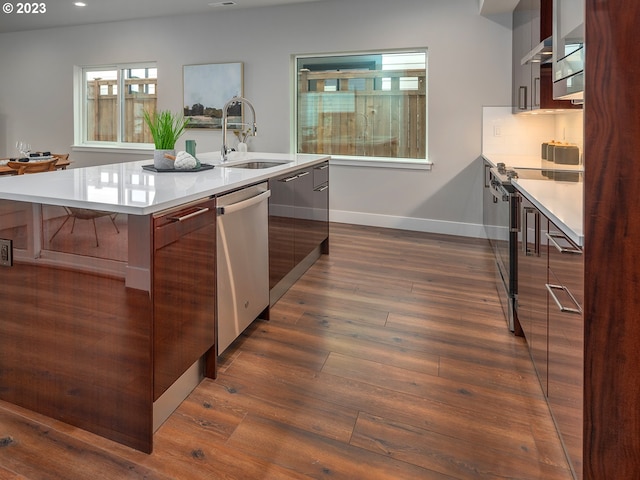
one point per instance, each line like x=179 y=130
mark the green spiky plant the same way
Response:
x=165 y=127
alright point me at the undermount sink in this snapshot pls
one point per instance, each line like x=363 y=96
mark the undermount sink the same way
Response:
x=255 y=164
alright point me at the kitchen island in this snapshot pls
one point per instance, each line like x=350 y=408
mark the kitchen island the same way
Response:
x=110 y=336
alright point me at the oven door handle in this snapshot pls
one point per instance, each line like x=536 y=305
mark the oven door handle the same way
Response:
x=499 y=192
x=514 y=214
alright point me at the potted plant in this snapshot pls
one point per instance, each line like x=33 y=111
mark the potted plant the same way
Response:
x=165 y=127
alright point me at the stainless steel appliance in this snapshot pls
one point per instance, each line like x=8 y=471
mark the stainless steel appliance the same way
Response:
x=500 y=210
x=242 y=260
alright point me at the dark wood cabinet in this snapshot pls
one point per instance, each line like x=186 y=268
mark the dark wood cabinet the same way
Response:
x=566 y=342
x=320 y=205
x=281 y=228
x=183 y=290
x=303 y=215
x=93 y=341
x=612 y=241
x=75 y=337
x=298 y=223
x=549 y=308
x=532 y=278
x=312 y=210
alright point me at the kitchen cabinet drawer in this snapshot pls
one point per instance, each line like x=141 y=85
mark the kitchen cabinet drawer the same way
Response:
x=320 y=174
x=281 y=228
x=566 y=342
x=183 y=290
x=303 y=215
x=549 y=309
x=532 y=280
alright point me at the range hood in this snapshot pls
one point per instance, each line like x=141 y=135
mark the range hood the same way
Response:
x=541 y=53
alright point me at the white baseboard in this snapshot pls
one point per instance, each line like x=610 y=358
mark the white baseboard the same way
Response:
x=409 y=223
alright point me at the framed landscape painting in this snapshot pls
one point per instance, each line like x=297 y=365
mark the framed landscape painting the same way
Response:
x=206 y=90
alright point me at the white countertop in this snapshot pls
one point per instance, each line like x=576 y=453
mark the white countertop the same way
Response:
x=127 y=188
x=562 y=202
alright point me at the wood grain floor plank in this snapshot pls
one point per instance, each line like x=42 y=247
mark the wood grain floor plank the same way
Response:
x=505 y=429
x=457 y=458
x=188 y=447
x=8 y=475
x=318 y=457
x=507 y=380
x=288 y=406
x=428 y=340
x=389 y=359
x=39 y=452
x=481 y=399
x=315 y=331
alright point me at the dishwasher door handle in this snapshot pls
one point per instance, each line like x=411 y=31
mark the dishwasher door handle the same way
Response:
x=236 y=207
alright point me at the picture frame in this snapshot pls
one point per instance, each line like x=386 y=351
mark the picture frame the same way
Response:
x=206 y=89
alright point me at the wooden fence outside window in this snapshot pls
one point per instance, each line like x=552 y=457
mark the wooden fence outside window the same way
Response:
x=103 y=110
x=357 y=117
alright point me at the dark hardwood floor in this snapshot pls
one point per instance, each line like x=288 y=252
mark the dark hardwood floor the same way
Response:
x=389 y=359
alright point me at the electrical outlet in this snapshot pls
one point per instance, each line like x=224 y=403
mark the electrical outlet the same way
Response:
x=6 y=252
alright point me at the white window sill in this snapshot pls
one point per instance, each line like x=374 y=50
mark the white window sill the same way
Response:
x=403 y=163
x=141 y=149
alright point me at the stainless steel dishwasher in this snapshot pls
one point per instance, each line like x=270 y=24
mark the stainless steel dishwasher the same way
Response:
x=242 y=260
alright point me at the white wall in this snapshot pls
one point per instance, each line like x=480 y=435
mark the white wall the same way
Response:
x=469 y=66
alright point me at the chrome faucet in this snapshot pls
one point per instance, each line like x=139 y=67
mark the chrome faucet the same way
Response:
x=254 y=129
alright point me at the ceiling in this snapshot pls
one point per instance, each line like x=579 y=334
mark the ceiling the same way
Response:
x=64 y=13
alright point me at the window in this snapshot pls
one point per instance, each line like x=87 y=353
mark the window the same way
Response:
x=113 y=100
x=368 y=106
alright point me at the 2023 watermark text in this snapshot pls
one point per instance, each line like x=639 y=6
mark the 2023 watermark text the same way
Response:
x=22 y=8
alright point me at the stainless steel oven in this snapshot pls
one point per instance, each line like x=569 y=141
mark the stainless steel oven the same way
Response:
x=500 y=212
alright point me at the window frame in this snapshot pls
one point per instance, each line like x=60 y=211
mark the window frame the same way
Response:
x=361 y=160
x=81 y=141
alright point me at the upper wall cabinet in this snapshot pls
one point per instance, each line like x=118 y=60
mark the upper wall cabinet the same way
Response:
x=532 y=69
x=525 y=18
x=568 y=49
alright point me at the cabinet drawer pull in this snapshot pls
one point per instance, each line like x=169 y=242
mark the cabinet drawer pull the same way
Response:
x=288 y=179
x=552 y=238
x=322 y=167
x=198 y=211
x=536 y=232
x=551 y=288
x=322 y=188
x=303 y=174
x=522 y=98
